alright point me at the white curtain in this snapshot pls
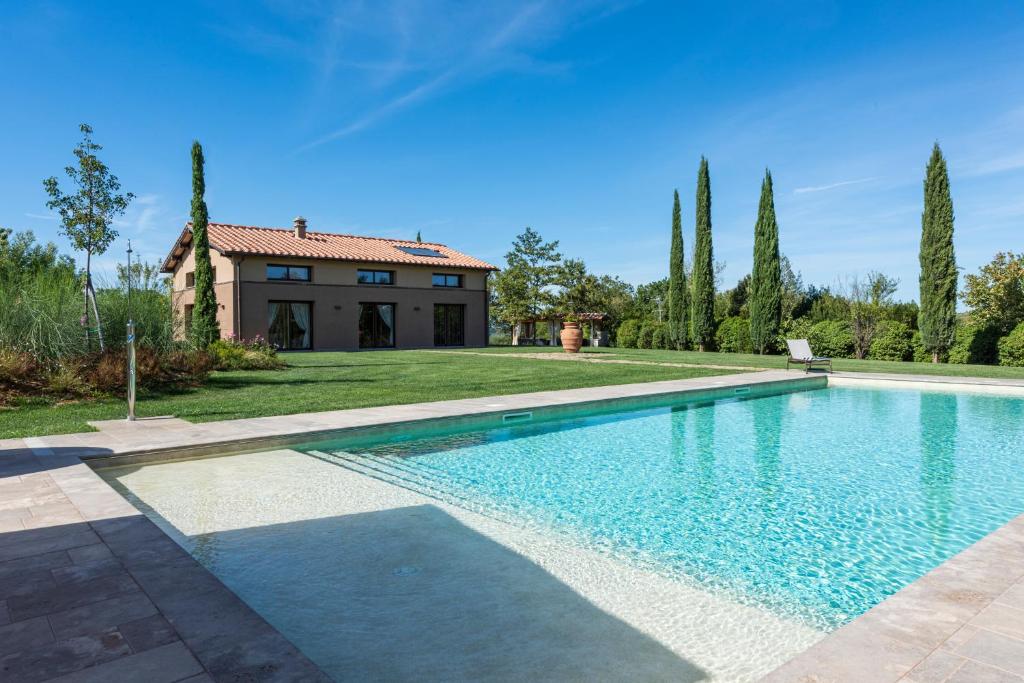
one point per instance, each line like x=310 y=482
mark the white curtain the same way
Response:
x=300 y=314
x=275 y=327
x=387 y=314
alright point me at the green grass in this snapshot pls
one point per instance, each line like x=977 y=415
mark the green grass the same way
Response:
x=335 y=381
x=755 y=361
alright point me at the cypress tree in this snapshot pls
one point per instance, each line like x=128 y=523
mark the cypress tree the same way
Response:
x=766 y=279
x=937 y=318
x=677 y=293
x=204 y=312
x=703 y=278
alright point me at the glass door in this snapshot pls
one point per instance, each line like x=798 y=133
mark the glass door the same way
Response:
x=290 y=325
x=376 y=326
x=449 y=320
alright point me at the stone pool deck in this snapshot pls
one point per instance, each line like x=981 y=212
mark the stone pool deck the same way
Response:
x=91 y=590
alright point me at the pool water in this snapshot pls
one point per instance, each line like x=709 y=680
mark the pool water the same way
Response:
x=815 y=505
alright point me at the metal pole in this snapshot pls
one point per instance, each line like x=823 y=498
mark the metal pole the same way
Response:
x=131 y=371
x=131 y=342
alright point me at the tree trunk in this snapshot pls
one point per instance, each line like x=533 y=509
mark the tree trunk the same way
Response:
x=700 y=347
x=85 y=302
x=935 y=357
x=95 y=312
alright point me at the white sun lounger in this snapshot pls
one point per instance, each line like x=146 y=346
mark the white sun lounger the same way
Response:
x=800 y=353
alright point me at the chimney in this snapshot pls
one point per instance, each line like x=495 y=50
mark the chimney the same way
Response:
x=300 y=227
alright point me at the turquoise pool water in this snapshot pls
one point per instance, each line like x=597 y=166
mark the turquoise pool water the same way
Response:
x=815 y=504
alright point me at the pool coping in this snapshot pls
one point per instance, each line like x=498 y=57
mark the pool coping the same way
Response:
x=889 y=642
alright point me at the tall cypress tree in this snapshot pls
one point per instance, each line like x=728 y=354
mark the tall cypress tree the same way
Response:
x=937 y=318
x=703 y=278
x=766 y=279
x=678 y=304
x=204 y=312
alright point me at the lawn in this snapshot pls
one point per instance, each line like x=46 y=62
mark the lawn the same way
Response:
x=755 y=361
x=334 y=381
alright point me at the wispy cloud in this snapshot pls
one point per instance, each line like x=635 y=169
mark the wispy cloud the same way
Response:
x=471 y=44
x=415 y=95
x=145 y=214
x=42 y=216
x=1000 y=164
x=832 y=186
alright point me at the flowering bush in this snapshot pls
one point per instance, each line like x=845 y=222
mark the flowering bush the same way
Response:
x=244 y=354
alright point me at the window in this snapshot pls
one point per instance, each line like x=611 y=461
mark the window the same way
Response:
x=296 y=273
x=375 y=277
x=421 y=251
x=449 y=323
x=447 y=280
x=190 y=277
x=290 y=324
x=188 y=316
x=376 y=326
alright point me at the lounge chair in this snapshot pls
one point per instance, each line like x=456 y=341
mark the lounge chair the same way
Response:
x=800 y=353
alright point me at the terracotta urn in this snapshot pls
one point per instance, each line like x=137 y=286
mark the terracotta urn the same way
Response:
x=572 y=337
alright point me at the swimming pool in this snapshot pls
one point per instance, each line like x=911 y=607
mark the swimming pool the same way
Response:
x=809 y=507
x=818 y=504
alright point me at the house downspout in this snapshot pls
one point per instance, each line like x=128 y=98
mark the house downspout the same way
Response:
x=238 y=296
x=487 y=309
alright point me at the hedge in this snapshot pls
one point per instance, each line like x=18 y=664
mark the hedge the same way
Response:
x=831 y=338
x=892 y=341
x=733 y=335
x=1011 y=348
x=975 y=344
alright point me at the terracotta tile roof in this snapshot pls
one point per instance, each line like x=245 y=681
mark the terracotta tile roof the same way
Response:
x=250 y=239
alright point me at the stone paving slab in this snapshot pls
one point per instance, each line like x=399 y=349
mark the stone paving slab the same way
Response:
x=77 y=603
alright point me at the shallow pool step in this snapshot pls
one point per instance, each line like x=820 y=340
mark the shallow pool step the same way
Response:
x=379 y=468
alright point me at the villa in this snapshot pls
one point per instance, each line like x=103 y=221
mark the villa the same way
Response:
x=305 y=290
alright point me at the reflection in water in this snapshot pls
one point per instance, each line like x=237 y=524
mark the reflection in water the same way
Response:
x=693 y=437
x=769 y=420
x=938 y=420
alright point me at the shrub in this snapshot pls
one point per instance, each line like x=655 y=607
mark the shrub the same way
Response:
x=975 y=344
x=660 y=337
x=65 y=379
x=733 y=335
x=645 y=337
x=831 y=338
x=892 y=341
x=242 y=354
x=627 y=334
x=17 y=368
x=1011 y=348
x=794 y=329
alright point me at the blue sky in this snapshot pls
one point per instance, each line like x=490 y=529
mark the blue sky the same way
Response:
x=471 y=120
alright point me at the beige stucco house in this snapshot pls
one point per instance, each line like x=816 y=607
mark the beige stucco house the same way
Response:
x=301 y=289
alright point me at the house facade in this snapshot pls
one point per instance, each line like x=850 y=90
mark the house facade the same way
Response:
x=306 y=290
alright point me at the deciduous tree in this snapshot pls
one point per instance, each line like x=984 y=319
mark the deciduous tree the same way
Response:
x=996 y=294
x=87 y=215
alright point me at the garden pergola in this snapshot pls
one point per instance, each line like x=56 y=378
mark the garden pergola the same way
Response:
x=524 y=332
